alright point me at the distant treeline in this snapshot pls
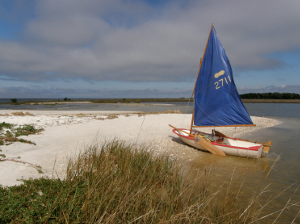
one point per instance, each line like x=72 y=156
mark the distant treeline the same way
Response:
x=270 y=96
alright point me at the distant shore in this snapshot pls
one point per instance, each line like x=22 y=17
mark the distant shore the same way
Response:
x=139 y=101
x=270 y=100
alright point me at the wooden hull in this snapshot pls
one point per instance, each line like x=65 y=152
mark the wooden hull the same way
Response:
x=230 y=146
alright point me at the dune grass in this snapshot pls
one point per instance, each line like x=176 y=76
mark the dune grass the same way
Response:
x=9 y=133
x=115 y=182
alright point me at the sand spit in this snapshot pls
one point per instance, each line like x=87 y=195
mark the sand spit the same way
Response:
x=66 y=133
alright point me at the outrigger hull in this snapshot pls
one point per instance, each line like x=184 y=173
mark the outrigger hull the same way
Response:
x=230 y=146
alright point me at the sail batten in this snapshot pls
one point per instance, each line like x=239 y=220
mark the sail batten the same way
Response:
x=216 y=100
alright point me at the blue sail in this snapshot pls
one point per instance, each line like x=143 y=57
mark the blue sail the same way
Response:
x=216 y=100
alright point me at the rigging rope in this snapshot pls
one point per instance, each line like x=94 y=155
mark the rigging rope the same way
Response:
x=185 y=111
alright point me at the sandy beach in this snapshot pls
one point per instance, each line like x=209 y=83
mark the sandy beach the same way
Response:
x=66 y=133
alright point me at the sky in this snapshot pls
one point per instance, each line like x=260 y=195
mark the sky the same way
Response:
x=143 y=48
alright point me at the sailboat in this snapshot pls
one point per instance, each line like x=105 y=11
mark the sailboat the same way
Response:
x=218 y=104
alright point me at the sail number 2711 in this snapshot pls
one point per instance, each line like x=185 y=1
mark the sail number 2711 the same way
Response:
x=222 y=82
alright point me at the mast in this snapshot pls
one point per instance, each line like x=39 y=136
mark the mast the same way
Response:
x=197 y=77
x=212 y=25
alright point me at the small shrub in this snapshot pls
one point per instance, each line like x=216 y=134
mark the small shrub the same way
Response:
x=12 y=134
x=5 y=125
x=27 y=130
x=8 y=134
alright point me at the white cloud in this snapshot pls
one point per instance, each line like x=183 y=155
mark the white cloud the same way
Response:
x=132 y=41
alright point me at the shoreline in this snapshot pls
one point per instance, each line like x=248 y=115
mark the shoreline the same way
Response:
x=139 y=101
x=67 y=133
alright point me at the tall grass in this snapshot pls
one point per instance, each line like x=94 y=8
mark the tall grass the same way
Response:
x=125 y=184
x=117 y=183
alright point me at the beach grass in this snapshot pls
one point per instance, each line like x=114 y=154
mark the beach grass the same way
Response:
x=115 y=182
x=10 y=133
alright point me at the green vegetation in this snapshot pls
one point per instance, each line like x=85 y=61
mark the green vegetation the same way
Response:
x=14 y=100
x=9 y=133
x=27 y=129
x=66 y=99
x=4 y=125
x=117 y=183
x=270 y=96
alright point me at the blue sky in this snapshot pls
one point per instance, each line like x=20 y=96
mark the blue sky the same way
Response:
x=143 y=48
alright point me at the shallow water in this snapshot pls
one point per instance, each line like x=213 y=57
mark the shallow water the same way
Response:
x=274 y=109
x=280 y=168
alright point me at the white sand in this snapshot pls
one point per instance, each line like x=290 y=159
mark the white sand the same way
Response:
x=68 y=132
